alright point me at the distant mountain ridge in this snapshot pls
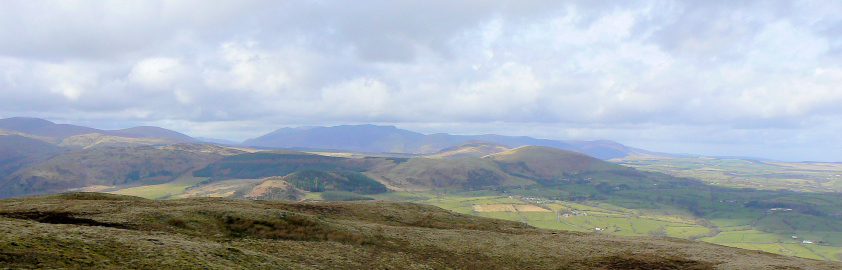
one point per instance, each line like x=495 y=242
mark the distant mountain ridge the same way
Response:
x=357 y=138
x=56 y=133
x=390 y=139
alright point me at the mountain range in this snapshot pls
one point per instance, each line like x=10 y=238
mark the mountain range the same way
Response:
x=355 y=138
x=390 y=139
x=58 y=133
x=40 y=156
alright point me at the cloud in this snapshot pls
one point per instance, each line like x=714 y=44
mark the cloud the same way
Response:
x=156 y=73
x=685 y=73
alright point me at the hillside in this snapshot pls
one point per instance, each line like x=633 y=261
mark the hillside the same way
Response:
x=265 y=164
x=109 y=166
x=518 y=167
x=470 y=149
x=17 y=152
x=428 y=173
x=90 y=230
x=157 y=133
x=389 y=139
x=394 y=173
x=550 y=163
x=91 y=140
x=269 y=188
x=318 y=181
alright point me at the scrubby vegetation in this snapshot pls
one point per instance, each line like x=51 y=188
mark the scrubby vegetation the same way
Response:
x=287 y=227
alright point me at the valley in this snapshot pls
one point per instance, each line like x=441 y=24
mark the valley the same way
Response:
x=605 y=198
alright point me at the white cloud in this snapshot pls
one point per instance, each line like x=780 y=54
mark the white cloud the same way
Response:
x=509 y=92
x=156 y=73
x=360 y=98
x=641 y=71
x=71 y=81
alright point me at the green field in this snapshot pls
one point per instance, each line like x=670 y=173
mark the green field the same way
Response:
x=729 y=226
x=162 y=190
x=771 y=175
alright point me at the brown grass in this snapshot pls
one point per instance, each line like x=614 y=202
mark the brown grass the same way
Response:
x=288 y=227
x=638 y=261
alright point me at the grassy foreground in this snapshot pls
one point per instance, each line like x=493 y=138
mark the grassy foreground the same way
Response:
x=93 y=230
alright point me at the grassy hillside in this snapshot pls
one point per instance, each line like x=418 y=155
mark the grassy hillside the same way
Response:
x=110 y=166
x=156 y=132
x=470 y=149
x=552 y=167
x=428 y=173
x=90 y=230
x=318 y=181
x=547 y=162
x=519 y=167
x=102 y=140
x=265 y=164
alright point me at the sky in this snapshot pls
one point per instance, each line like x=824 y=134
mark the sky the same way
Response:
x=716 y=78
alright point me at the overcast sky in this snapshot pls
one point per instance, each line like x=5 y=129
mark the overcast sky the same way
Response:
x=747 y=78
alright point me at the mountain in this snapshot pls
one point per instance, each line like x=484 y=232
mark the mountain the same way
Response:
x=17 y=152
x=156 y=132
x=358 y=138
x=103 y=231
x=41 y=127
x=24 y=124
x=84 y=137
x=389 y=139
x=547 y=162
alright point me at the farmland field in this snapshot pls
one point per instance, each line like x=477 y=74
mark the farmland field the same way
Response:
x=729 y=228
x=799 y=176
x=162 y=190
